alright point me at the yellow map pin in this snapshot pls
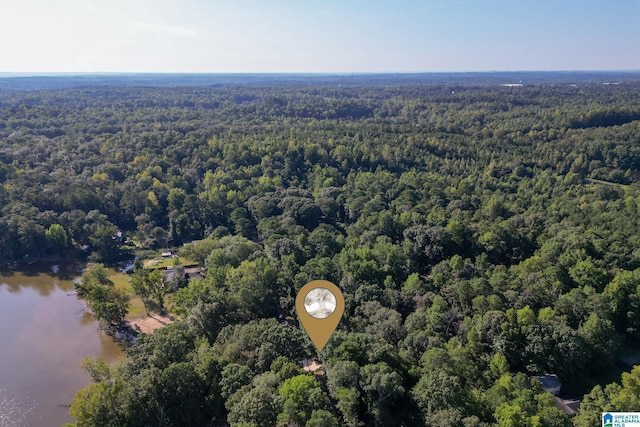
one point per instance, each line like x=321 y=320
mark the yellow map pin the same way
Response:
x=320 y=305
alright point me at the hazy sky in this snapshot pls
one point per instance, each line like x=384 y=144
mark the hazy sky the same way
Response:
x=318 y=36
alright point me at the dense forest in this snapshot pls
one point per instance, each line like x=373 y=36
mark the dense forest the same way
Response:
x=481 y=235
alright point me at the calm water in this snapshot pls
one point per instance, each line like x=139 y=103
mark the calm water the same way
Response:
x=44 y=335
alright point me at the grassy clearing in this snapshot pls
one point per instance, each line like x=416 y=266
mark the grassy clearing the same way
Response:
x=121 y=281
x=136 y=308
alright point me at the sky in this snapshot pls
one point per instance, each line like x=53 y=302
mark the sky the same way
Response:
x=312 y=36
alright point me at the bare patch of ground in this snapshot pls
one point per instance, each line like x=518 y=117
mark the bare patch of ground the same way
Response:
x=310 y=365
x=150 y=323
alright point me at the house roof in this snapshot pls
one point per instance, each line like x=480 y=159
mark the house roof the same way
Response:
x=550 y=381
x=193 y=272
x=170 y=274
x=568 y=406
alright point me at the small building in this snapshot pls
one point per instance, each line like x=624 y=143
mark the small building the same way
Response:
x=568 y=406
x=193 y=273
x=550 y=383
x=170 y=273
x=167 y=255
x=189 y=274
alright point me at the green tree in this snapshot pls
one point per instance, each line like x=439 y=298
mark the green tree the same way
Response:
x=302 y=395
x=347 y=400
x=57 y=238
x=109 y=304
x=382 y=386
x=181 y=393
x=593 y=404
x=512 y=416
x=555 y=347
x=258 y=406
x=526 y=316
x=234 y=377
x=600 y=335
x=614 y=397
x=157 y=286
x=149 y=285
x=322 y=418
x=98 y=405
x=436 y=390
x=140 y=284
x=518 y=400
x=104 y=241
x=623 y=296
x=586 y=273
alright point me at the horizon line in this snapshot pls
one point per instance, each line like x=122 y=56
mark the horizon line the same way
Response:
x=5 y=74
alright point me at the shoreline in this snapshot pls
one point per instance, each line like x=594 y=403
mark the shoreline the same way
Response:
x=134 y=323
x=127 y=334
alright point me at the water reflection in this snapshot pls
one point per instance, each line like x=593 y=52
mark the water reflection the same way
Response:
x=43 y=277
x=45 y=333
x=15 y=409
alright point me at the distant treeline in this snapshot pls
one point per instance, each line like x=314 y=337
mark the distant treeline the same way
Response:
x=17 y=81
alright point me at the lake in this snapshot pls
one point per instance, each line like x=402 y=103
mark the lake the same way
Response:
x=44 y=335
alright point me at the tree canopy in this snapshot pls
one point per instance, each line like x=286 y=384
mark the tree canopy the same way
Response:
x=481 y=235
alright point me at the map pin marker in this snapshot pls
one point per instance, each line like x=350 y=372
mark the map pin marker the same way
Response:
x=320 y=305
